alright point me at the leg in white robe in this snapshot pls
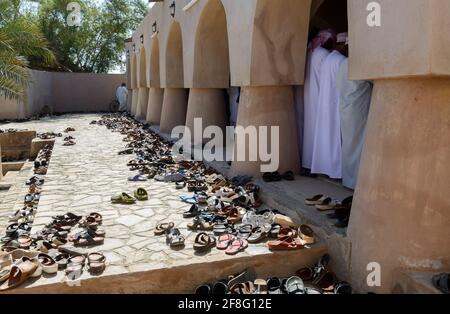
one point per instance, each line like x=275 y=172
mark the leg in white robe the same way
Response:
x=300 y=113
x=311 y=98
x=327 y=151
x=234 y=93
x=355 y=97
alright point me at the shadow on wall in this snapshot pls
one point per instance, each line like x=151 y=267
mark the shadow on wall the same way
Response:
x=64 y=92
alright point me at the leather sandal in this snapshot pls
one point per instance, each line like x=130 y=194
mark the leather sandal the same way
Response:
x=163 y=228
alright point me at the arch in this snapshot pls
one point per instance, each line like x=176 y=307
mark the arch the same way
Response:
x=174 y=57
x=211 y=52
x=329 y=14
x=133 y=74
x=142 y=69
x=154 y=64
x=279 y=42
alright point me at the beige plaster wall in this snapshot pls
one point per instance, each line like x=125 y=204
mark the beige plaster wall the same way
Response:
x=72 y=92
x=412 y=39
x=258 y=55
x=38 y=95
x=401 y=211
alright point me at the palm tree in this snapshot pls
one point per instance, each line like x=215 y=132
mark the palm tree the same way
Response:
x=20 y=39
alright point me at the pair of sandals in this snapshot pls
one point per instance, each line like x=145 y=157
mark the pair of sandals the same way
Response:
x=88 y=237
x=174 y=238
x=292 y=239
x=326 y=203
x=124 y=198
x=276 y=176
x=231 y=244
x=35 y=180
x=204 y=242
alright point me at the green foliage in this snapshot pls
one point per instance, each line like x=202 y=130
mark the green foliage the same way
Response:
x=96 y=45
x=20 y=41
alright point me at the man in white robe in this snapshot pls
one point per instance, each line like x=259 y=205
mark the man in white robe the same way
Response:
x=316 y=56
x=234 y=95
x=121 y=96
x=355 y=97
x=327 y=149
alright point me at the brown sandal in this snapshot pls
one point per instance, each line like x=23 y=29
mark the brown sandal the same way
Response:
x=163 y=228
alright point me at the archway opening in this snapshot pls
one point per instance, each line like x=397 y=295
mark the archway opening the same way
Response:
x=212 y=62
x=154 y=64
x=174 y=106
x=174 y=57
x=156 y=93
x=141 y=112
x=326 y=14
x=211 y=71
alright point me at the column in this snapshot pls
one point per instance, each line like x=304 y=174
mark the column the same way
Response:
x=174 y=109
x=155 y=101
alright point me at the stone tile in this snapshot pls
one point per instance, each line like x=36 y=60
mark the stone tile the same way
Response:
x=129 y=220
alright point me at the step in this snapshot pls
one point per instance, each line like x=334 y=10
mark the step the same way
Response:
x=182 y=277
x=414 y=282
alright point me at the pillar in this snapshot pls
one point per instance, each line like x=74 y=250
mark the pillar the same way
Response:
x=207 y=104
x=1 y=169
x=174 y=109
x=154 y=107
x=401 y=211
x=129 y=99
x=272 y=107
x=141 y=112
x=134 y=101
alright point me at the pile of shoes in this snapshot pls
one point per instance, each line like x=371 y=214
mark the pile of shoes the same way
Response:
x=51 y=249
x=48 y=135
x=17 y=234
x=69 y=141
x=226 y=213
x=43 y=159
x=342 y=209
x=311 y=280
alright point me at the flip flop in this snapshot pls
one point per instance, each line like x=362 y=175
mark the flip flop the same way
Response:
x=189 y=199
x=137 y=178
x=315 y=200
x=122 y=198
x=236 y=246
x=203 y=242
x=286 y=243
x=224 y=241
x=328 y=204
x=141 y=194
x=244 y=231
x=163 y=228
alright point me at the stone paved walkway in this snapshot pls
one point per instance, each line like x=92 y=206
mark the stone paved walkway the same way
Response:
x=82 y=178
